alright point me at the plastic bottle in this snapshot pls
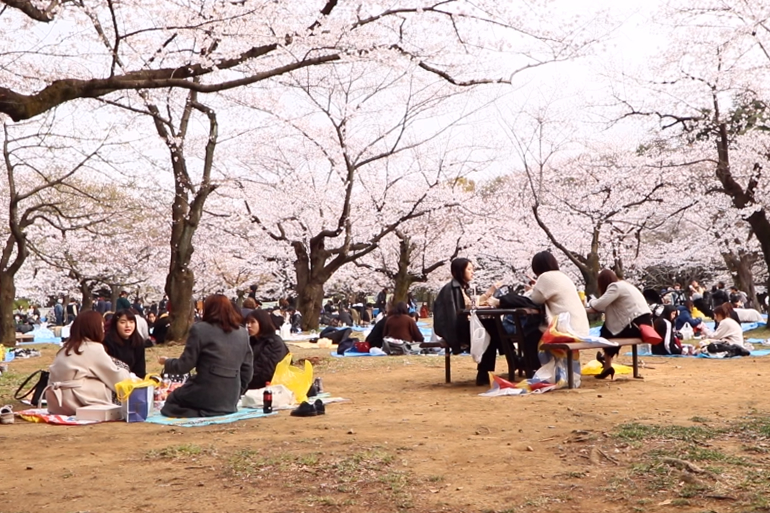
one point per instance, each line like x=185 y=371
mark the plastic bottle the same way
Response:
x=267 y=400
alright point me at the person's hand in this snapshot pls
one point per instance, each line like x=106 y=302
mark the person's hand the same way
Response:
x=162 y=360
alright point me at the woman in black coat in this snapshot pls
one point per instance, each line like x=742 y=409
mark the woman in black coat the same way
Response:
x=454 y=326
x=123 y=342
x=267 y=346
x=218 y=349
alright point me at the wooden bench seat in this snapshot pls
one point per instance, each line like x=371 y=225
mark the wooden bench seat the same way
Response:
x=579 y=346
x=447 y=356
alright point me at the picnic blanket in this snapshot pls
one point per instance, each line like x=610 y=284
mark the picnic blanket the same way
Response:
x=745 y=326
x=755 y=353
x=41 y=415
x=243 y=414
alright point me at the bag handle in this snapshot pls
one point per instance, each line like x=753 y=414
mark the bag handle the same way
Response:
x=26 y=381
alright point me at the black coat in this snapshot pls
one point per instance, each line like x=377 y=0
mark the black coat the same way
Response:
x=133 y=356
x=223 y=364
x=268 y=351
x=446 y=310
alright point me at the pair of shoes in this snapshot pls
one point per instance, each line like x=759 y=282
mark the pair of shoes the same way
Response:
x=6 y=415
x=482 y=378
x=609 y=371
x=600 y=356
x=305 y=409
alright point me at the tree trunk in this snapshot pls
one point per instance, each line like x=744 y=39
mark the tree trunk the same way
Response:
x=310 y=302
x=87 y=293
x=114 y=294
x=402 y=280
x=740 y=268
x=7 y=296
x=179 y=289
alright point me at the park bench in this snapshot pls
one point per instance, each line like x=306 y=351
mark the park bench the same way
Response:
x=579 y=346
x=24 y=337
x=517 y=354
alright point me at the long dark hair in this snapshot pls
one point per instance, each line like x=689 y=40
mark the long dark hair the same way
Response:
x=88 y=325
x=135 y=340
x=219 y=310
x=543 y=262
x=606 y=277
x=400 y=308
x=458 y=267
x=265 y=321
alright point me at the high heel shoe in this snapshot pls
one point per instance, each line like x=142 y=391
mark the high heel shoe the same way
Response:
x=609 y=371
x=600 y=356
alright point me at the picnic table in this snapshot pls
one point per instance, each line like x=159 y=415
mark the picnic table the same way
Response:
x=518 y=354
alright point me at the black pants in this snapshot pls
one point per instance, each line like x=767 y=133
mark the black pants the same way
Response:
x=630 y=331
x=487 y=363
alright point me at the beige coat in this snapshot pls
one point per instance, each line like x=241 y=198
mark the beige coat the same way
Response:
x=82 y=379
x=556 y=291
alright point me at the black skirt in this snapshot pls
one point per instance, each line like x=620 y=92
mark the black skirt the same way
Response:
x=630 y=331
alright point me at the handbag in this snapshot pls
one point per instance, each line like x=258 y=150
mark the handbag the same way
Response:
x=649 y=335
x=36 y=390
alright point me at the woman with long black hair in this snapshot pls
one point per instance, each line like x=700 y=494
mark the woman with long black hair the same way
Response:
x=454 y=326
x=123 y=342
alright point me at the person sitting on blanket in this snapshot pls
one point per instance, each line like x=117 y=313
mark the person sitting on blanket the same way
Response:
x=400 y=325
x=728 y=331
x=268 y=347
x=624 y=310
x=685 y=315
x=123 y=342
x=82 y=373
x=454 y=326
x=376 y=336
x=218 y=349
x=664 y=325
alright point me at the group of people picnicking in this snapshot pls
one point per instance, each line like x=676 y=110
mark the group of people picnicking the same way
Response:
x=624 y=306
x=236 y=349
x=231 y=353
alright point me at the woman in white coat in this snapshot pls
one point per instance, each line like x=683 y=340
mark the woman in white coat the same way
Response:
x=82 y=373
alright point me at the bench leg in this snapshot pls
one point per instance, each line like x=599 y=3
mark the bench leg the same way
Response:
x=570 y=378
x=635 y=354
x=448 y=364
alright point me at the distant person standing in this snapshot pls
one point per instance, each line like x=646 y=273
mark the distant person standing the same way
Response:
x=58 y=312
x=138 y=306
x=382 y=300
x=123 y=303
x=72 y=310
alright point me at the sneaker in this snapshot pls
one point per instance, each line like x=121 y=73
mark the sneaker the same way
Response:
x=320 y=407
x=6 y=415
x=305 y=409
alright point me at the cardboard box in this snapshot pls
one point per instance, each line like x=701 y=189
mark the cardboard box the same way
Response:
x=99 y=412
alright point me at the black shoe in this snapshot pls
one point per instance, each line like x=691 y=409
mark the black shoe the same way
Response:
x=305 y=409
x=600 y=356
x=482 y=378
x=609 y=371
x=320 y=407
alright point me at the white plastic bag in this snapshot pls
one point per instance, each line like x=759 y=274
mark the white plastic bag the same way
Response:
x=480 y=338
x=687 y=331
x=282 y=397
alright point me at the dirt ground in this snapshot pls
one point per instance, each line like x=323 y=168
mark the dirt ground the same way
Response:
x=408 y=442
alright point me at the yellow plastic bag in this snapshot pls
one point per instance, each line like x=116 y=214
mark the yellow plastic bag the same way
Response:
x=595 y=367
x=295 y=379
x=124 y=388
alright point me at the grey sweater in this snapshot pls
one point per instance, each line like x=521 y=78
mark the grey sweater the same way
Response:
x=621 y=304
x=224 y=365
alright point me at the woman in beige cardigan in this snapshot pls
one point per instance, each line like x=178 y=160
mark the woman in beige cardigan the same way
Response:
x=82 y=374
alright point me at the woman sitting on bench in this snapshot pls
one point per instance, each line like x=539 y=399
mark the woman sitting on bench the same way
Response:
x=624 y=310
x=555 y=290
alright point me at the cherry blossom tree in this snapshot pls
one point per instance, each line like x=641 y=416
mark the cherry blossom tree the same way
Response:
x=42 y=194
x=709 y=101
